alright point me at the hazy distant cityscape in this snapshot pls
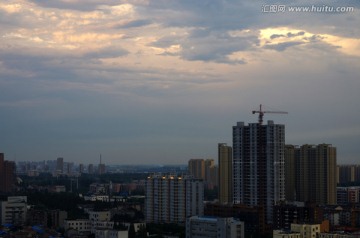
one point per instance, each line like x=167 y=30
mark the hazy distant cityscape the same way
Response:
x=257 y=187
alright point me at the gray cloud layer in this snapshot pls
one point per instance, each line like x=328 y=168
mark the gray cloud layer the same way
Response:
x=163 y=81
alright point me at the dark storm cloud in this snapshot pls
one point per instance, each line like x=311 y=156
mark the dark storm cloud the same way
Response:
x=215 y=46
x=282 y=46
x=135 y=23
x=288 y=35
x=108 y=52
x=73 y=5
x=216 y=14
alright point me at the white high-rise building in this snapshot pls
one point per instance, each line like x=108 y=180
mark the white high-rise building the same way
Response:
x=171 y=198
x=258 y=165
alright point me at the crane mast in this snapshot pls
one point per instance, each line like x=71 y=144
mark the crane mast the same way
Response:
x=261 y=113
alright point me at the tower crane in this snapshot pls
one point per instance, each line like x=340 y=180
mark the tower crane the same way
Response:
x=261 y=113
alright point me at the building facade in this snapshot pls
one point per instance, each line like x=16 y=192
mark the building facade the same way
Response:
x=60 y=165
x=215 y=227
x=197 y=168
x=204 y=169
x=171 y=198
x=314 y=168
x=258 y=165
x=348 y=195
x=225 y=173
x=14 y=210
x=81 y=225
x=348 y=174
x=7 y=175
x=211 y=174
x=299 y=231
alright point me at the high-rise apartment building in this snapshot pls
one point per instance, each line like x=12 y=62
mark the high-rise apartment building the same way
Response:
x=348 y=174
x=258 y=165
x=171 y=198
x=7 y=174
x=90 y=169
x=204 y=169
x=290 y=172
x=211 y=174
x=60 y=165
x=196 y=168
x=101 y=169
x=225 y=173
x=81 y=168
x=314 y=168
x=2 y=160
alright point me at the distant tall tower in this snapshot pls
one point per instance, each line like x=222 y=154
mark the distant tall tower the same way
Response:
x=258 y=165
x=197 y=168
x=315 y=173
x=81 y=168
x=90 y=168
x=2 y=164
x=60 y=165
x=101 y=168
x=291 y=155
x=7 y=174
x=211 y=174
x=225 y=173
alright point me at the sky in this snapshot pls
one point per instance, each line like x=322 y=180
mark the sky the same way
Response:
x=164 y=81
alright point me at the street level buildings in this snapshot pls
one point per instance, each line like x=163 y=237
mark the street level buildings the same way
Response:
x=14 y=210
x=299 y=231
x=348 y=195
x=214 y=227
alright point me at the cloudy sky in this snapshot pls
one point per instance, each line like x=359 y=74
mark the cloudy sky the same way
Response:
x=163 y=81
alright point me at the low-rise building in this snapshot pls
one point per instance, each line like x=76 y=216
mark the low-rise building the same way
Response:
x=339 y=235
x=96 y=216
x=214 y=227
x=14 y=210
x=348 y=195
x=299 y=231
x=58 y=218
x=105 y=233
x=81 y=225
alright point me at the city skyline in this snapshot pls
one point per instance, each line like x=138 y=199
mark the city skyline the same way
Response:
x=161 y=82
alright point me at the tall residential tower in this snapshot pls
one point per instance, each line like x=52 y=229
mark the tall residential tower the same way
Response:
x=7 y=175
x=225 y=173
x=172 y=198
x=258 y=165
x=312 y=174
